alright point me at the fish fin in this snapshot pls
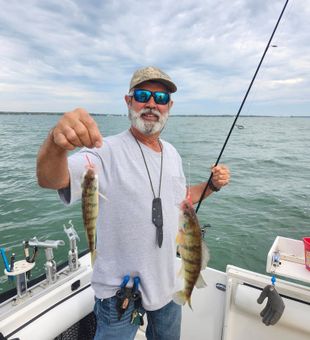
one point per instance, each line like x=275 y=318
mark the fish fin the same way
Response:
x=200 y=283
x=181 y=271
x=102 y=196
x=180 y=237
x=205 y=256
x=93 y=257
x=180 y=250
x=189 y=301
x=179 y=297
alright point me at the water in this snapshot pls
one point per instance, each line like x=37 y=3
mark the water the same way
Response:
x=269 y=193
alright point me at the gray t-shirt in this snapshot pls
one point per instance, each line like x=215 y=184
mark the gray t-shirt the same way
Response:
x=126 y=236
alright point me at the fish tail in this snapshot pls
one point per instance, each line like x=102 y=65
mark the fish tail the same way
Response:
x=180 y=298
x=93 y=257
x=189 y=301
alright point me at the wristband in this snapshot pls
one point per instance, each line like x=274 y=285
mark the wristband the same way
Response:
x=213 y=187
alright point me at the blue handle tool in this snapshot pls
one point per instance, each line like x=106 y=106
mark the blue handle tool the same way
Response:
x=5 y=260
x=125 y=281
x=136 y=282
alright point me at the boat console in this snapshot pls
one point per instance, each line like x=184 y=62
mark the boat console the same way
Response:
x=287 y=258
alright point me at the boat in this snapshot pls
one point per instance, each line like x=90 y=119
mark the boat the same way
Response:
x=58 y=305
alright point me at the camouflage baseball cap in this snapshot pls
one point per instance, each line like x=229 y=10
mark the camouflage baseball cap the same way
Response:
x=152 y=73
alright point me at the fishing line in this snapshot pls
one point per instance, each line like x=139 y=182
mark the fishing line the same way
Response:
x=242 y=103
x=89 y=162
x=189 y=195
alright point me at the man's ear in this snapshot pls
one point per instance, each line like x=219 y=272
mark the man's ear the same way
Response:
x=128 y=100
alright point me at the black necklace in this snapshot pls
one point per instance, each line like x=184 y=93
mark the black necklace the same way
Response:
x=157 y=211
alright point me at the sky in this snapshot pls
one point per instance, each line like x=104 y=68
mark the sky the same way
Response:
x=62 y=54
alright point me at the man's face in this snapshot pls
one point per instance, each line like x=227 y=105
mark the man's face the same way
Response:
x=149 y=118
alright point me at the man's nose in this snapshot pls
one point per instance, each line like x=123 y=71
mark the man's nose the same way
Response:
x=151 y=103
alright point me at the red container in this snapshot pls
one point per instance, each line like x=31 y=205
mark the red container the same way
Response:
x=307 y=251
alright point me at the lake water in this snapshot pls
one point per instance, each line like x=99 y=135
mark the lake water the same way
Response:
x=269 y=193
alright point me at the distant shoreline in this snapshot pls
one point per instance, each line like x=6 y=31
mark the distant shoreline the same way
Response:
x=119 y=115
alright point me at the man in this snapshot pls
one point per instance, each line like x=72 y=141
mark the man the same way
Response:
x=143 y=180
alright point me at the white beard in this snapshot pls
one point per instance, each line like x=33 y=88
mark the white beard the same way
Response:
x=147 y=127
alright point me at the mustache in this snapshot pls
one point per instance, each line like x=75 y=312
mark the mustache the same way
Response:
x=152 y=111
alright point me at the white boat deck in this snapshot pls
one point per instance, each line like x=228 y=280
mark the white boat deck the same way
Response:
x=226 y=309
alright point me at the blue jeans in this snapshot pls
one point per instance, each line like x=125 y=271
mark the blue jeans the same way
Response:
x=163 y=324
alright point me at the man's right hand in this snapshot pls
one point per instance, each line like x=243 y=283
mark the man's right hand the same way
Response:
x=76 y=129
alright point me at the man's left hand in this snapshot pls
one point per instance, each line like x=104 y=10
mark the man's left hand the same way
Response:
x=221 y=175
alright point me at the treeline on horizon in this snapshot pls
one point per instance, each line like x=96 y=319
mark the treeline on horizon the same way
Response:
x=122 y=115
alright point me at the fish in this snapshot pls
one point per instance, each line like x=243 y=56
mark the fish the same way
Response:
x=193 y=251
x=90 y=202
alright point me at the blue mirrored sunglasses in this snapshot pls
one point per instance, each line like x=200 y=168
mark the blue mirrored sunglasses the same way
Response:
x=143 y=96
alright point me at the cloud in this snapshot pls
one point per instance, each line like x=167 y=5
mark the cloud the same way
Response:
x=61 y=54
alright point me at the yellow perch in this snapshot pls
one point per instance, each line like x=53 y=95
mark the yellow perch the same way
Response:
x=90 y=199
x=193 y=251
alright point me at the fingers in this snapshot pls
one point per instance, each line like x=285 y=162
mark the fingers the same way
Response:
x=60 y=139
x=221 y=175
x=76 y=129
x=265 y=310
x=275 y=318
x=263 y=294
x=268 y=316
x=93 y=130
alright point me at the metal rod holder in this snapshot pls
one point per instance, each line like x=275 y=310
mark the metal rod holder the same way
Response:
x=73 y=255
x=50 y=264
x=20 y=270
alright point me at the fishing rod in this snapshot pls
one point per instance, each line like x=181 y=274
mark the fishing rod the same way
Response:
x=242 y=103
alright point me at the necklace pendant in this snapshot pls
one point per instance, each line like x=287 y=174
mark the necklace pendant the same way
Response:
x=157 y=219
